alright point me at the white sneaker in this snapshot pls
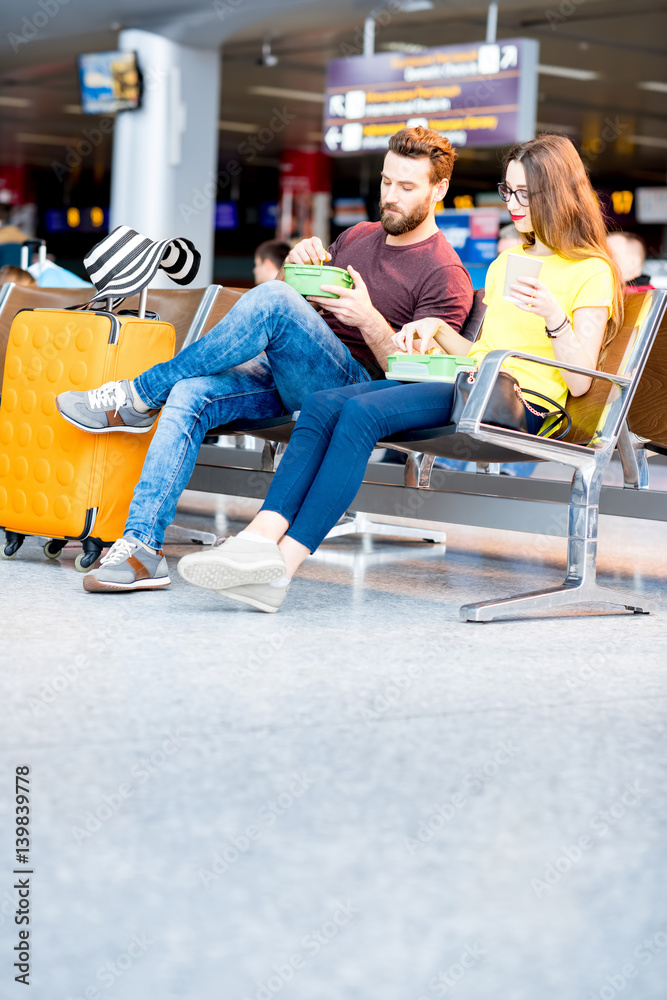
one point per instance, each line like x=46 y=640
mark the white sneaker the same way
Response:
x=262 y=596
x=238 y=562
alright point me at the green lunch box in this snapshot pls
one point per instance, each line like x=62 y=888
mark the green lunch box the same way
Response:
x=444 y=367
x=307 y=278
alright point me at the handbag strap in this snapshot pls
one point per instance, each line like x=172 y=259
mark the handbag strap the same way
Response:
x=558 y=411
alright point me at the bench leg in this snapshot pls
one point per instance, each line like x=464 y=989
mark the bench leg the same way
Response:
x=634 y=461
x=363 y=524
x=580 y=585
x=175 y=534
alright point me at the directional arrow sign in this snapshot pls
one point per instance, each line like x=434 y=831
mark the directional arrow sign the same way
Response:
x=337 y=106
x=333 y=137
x=509 y=57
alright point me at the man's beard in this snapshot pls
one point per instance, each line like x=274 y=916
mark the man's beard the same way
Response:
x=396 y=225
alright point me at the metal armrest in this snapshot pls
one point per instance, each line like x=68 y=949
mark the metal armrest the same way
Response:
x=488 y=372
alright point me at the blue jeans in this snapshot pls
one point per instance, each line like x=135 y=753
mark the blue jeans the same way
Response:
x=324 y=465
x=262 y=360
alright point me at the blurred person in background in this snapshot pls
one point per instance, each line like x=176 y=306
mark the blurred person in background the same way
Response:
x=508 y=237
x=629 y=252
x=11 y=273
x=8 y=232
x=269 y=257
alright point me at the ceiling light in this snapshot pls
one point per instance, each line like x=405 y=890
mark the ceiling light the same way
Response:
x=649 y=140
x=296 y=95
x=412 y=6
x=403 y=47
x=568 y=72
x=15 y=102
x=237 y=127
x=657 y=85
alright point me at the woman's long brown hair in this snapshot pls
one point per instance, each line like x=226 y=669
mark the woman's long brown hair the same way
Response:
x=565 y=211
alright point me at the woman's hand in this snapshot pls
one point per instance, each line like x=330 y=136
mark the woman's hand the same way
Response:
x=417 y=337
x=424 y=334
x=533 y=296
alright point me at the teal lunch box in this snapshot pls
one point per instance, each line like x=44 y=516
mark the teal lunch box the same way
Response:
x=418 y=367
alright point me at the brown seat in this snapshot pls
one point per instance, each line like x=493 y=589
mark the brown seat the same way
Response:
x=177 y=306
x=648 y=413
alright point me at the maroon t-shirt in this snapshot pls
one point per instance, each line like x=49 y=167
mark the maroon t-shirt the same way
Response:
x=405 y=283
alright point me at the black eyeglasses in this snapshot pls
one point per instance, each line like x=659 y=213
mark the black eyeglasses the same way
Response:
x=506 y=192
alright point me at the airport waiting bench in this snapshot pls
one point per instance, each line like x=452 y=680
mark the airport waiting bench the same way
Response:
x=625 y=410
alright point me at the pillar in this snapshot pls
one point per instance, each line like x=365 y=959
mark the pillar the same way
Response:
x=164 y=167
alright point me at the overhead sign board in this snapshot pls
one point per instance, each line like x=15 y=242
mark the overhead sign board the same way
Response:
x=477 y=95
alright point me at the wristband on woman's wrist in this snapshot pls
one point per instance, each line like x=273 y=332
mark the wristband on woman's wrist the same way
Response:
x=558 y=329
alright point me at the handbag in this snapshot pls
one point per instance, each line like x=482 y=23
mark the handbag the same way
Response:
x=507 y=406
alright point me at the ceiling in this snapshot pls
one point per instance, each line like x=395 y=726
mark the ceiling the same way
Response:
x=621 y=46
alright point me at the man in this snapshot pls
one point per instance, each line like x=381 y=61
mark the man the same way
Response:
x=273 y=348
x=629 y=252
x=269 y=257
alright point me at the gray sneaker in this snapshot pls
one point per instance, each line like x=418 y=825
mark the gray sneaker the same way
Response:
x=128 y=565
x=235 y=563
x=262 y=596
x=108 y=408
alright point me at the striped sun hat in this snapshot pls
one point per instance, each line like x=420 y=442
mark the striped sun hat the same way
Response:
x=125 y=262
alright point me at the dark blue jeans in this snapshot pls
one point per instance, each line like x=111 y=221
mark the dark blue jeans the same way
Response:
x=267 y=354
x=324 y=464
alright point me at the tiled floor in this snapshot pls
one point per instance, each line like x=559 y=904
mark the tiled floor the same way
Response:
x=359 y=798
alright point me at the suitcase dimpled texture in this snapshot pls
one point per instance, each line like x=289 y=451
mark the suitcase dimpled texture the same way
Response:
x=57 y=480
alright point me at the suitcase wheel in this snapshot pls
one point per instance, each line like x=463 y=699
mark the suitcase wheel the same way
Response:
x=13 y=542
x=54 y=547
x=92 y=550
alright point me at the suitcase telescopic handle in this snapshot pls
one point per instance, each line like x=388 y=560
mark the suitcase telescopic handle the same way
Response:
x=29 y=245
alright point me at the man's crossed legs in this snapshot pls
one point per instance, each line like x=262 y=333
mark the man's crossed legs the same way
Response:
x=262 y=360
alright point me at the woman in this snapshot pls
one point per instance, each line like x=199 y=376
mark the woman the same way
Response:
x=570 y=313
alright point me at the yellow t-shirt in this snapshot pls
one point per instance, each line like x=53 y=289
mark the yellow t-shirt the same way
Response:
x=575 y=283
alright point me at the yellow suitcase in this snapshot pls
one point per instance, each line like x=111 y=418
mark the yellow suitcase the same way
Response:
x=55 y=480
